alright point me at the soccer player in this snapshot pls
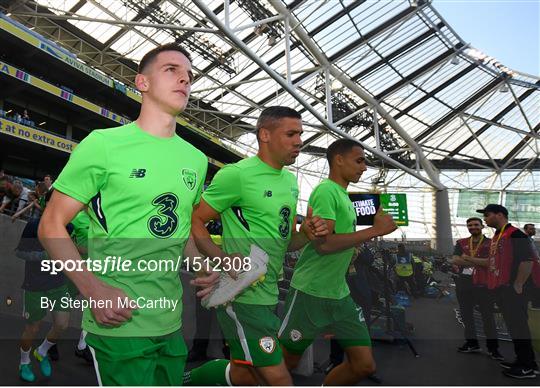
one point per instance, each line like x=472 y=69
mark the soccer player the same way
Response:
x=471 y=255
x=256 y=200
x=140 y=182
x=39 y=286
x=319 y=299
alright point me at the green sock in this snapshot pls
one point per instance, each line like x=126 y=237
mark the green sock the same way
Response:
x=215 y=372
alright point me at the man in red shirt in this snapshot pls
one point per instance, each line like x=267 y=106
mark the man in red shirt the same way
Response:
x=471 y=256
x=510 y=264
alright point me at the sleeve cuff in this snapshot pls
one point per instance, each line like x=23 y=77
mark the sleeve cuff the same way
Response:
x=70 y=193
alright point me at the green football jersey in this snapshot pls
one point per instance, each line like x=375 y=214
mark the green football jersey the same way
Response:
x=257 y=204
x=140 y=190
x=81 y=224
x=324 y=275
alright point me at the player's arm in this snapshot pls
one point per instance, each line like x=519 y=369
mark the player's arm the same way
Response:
x=312 y=227
x=54 y=237
x=203 y=214
x=192 y=255
x=383 y=225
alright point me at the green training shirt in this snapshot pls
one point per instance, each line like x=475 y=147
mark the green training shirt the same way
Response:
x=324 y=275
x=81 y=224
x=140 y=190
x=257 y=204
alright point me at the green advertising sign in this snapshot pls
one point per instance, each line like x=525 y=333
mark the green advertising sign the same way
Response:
x=396 y=205
x=523 y=207
x=470 y=201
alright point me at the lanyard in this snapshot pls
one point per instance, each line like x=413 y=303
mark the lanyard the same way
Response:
x=471 y=251
x=495 y=243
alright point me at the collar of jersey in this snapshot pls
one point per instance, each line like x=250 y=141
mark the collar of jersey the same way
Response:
x=138 y=130
x=267 y=166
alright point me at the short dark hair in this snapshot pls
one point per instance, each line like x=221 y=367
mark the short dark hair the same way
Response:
x=270 y=116
x=41 y=188
x=340 y=147
x=151 y=55
x=474 y=219
x=528 y=225
x=47 y=175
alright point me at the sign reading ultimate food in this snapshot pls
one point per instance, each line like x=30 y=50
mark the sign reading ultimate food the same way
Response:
x=366 y=205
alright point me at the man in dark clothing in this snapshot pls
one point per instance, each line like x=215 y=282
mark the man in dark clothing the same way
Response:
x=533 y=286
x=510 y=264
x=471 y=256
x=38 y=286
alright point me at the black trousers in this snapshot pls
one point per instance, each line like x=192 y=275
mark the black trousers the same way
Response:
x=468 y=297
x=513 y=307
x=532 y=293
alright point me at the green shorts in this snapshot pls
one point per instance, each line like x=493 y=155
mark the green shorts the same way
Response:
x=251 y=332
x=35 y=311
x=307 y=316
x=139 y=360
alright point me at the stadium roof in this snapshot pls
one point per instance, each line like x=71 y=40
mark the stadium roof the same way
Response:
x=391 y=74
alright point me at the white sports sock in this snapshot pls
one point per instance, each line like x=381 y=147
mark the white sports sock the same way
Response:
x=44 y=347
x=82 y=343
x=228 y=374
x=25 y=356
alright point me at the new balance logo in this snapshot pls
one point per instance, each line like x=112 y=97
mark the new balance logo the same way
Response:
x=138 y=173
x=267 y=193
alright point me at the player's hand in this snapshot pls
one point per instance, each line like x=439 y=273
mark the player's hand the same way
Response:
x=383 y=223
x=207 y=281
x=313 y=226
x=518 y=288
x=230 y=262
x=110 y=316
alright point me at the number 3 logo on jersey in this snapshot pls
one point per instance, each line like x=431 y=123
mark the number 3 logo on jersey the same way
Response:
x=165 y=223
x=285 y=224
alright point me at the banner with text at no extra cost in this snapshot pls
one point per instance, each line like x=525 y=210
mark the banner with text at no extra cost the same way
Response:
x=20 y=131
x=366 y=205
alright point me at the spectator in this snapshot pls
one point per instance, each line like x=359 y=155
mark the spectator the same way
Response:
x=510 y=264
x=471 y=255
x=533 y=286
x=47 y=179
x=530 y=231
x=405 y=271
x=14 y=192
x=419 y=278
x=35 y=206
